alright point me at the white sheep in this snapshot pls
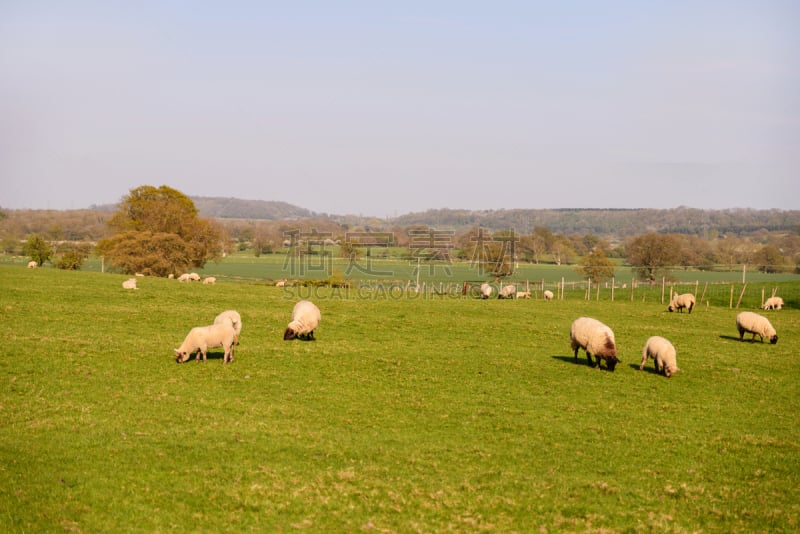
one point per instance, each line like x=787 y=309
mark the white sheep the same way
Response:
x=140 y=275
x=202 y=338
x=663 y=354
x=305 y=318
x=486 y=290
x=184 y=278
x=194 y=277
x=507 y=292
x=548 y=295
x=596 y=338
x=679 y=302
x=233 y=318
x=209 y=280
x=773 y=303
x=757 y=325
x=171 y=276
x=280 y=283
x=130 y=283
x=523 y=294
x=32 y=265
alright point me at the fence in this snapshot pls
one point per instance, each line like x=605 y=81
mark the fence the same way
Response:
x=708 y=294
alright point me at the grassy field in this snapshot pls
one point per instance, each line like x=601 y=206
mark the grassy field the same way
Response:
x=407 y=414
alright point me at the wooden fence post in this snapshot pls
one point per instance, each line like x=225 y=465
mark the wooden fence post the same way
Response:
x=740 y=296
x=613 y=283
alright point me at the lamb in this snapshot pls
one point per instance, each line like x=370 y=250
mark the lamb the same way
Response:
x=32 y=265
x=757 y=325
x=596 y=339
x=130 y=283
x=773 y=303
x=523 y=294
x=548 y=295
x=209 y=280
x=507 y=292
x=663 y=354
x=679 y=302
x=305 y=318
x=202 y=338
x=233 y=318
x=486 y=291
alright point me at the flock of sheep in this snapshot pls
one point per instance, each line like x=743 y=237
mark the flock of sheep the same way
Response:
x=597 y=339
x=227 y=327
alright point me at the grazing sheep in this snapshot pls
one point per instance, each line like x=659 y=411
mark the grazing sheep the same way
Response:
x=130 y=283
x=233 y=318
x=757 y=325
x=280 y=283
x=202 y=338
x=32 y=265
x=773 y=303
x=663 y=354
x=140 y=275
x=210 y=280
x=507 y=292
x=596 y=339
x=305 y=318
x=679 y=302
x=486 y=291
x=523 y=294
x=171 y=276
x=548 y=295
x=184 y=278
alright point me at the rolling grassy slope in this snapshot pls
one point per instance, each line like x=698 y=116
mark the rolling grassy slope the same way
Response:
x=427 y=414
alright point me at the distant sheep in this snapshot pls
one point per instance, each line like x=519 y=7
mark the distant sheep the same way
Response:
x=171 y=276
x=138 y=274
x=305 y=318
x=280 y=283
x=523 y=294
x=202 y=338
x=209 y=280
x=130 y=283
x=679 y=302
x=32 y=265
x=548 y=295
x=757 y=325
x=773 y=303
x=507 y=292
x=189 y=277
x=663 y=354
x=486 y=291
x=233 y=318
x=596 y=339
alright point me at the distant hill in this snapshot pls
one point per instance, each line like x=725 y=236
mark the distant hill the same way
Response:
x=235 y=208
x=619 y=222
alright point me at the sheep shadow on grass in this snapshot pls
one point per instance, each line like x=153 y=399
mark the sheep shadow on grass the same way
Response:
x=647 y=368
x=581 y=361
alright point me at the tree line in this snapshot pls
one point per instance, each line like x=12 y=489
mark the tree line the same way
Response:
x=159 y=230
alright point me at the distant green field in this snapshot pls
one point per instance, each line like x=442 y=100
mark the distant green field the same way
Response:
x=411 y=412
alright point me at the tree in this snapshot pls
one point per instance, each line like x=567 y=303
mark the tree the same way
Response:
x=596 y=267
x=72 y=257
x=158 y=232
x=650 y=255
x=37 y=249
x=769 y=259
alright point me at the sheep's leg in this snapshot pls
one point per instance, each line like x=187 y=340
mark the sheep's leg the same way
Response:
x=598 y=358
x=589 y=358
x=311 y=336
x=576 y=354
x=644 y=361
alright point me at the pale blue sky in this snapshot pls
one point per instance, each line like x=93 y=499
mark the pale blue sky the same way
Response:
x=382 y=108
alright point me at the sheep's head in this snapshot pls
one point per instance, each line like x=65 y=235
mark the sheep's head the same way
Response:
x=289 y=334
x=612 y=362
x=773 y=339
x=181 y=357
x=671 y=308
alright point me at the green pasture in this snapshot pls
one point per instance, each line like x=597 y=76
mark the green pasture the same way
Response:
x=411 y=412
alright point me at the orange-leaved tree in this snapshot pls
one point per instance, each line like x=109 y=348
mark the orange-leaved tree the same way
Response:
x=158 y=232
